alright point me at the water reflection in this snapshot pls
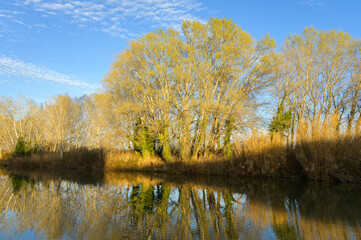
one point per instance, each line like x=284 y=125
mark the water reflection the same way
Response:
x=54 y=205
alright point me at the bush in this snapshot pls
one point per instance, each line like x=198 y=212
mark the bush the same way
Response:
x=24 y=149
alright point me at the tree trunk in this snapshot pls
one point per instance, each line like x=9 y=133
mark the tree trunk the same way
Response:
x=351 y=116
x=201 y=136
x=164 y=141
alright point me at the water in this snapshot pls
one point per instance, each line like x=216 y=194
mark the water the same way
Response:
x=72 y=205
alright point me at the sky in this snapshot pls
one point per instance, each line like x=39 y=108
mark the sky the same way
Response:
x=51 y=47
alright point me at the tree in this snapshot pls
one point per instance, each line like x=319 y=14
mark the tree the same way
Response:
x=228 y=68
x=184 y=90
x=316 y=65
x=23 y=148
x=281 y=121
x=64 y=123
x=141 y=83
x=143 y=142
x=354 y=101
x=18 y=118
x=97 y=118
x=229 y=128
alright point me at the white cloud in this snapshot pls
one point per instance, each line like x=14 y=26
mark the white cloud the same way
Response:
x=57 y=6
x=32 y=1
x=40 y=25
x=6 y=14
x=18 y=21
x=115 y=31
x=113 y=16
x=10 y=66
x=11 y=17
x=314 y=4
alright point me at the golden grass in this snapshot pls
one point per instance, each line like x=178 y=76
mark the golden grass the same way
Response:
x=260 y=155
x=129 y=160
x=74 y=159
x=5 y=155
x=325 y=153
x=321 y=154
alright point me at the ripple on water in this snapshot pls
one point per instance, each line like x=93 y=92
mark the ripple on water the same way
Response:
x=72 y=205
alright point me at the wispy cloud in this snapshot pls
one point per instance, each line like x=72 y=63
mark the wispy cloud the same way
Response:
x=18 y=21
x=314 y=4
x=14 y=67
x=113 y=16
x=7 y=17
x=6 y=13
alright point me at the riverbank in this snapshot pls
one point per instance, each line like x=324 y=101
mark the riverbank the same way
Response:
x=319 y=160
x=75 y=159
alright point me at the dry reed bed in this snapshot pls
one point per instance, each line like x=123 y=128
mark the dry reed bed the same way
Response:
x=322 y=156
x=75 y=159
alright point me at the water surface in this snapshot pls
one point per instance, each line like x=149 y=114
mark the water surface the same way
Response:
x=73 y=205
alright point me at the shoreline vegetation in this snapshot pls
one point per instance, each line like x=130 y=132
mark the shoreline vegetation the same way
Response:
x=328 y=160
x=210 y=100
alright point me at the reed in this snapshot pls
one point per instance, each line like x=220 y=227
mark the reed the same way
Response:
x=260 y=155
x=321 y=154
x=317 y=153
x=74 y=159
x=129 y=160
x=328 y=154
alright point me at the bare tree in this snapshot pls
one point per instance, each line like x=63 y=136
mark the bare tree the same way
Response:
x=63 y=122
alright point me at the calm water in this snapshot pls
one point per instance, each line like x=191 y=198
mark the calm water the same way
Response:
x=71 y=205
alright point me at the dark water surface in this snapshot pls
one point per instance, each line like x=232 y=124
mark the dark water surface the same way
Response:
x=72 y=205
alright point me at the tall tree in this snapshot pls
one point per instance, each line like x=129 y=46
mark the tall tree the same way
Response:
x=17 y=119
x=318 y=73
x=64 y=122
x=184 y=90
x=141 y=83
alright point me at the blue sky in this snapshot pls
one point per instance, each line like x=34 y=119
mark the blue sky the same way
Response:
x=50 y=47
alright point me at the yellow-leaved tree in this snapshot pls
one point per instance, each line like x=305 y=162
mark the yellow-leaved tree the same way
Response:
x=186 y=92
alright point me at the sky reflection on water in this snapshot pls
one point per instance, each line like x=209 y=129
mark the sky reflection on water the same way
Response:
x=52 y=205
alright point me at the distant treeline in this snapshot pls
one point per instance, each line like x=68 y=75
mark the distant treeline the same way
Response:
x=212 y=88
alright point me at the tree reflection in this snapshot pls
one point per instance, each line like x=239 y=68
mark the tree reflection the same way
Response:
x=148 y=208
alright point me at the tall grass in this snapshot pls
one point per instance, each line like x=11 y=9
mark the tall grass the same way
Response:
x=262 y=156
x=328 y=154
x=321 y=154
x=129 y=160
x=5 y=155
x=75 y=159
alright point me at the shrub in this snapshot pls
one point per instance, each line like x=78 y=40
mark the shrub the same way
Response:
x=24 y=149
